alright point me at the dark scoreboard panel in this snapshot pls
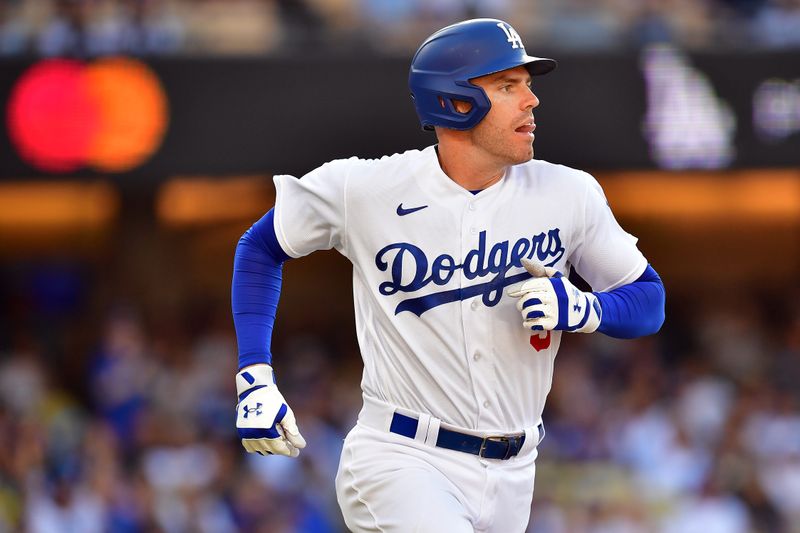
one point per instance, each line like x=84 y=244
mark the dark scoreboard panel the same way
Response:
x=658 y=108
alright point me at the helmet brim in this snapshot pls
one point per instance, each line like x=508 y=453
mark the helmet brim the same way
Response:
x=537 y=66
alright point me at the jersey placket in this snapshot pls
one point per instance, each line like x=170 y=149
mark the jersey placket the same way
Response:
x=476 y=322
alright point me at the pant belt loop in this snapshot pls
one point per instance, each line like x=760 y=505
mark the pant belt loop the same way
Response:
x=433 y=432
x=422 y=427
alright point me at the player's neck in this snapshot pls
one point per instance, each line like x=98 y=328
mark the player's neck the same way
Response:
x=467 y=169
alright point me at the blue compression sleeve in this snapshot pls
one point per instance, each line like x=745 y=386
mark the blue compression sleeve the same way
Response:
x=633 y=310
x=255 y=290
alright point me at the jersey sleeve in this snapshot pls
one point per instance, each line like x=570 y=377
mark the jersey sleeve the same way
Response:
x=310 y=212
x=605 y=255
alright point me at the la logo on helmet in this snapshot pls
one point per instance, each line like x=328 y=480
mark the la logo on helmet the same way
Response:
x=511 y=35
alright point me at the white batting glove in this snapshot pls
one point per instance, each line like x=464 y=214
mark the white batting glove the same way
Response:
x=548 y=301
x=265 y=423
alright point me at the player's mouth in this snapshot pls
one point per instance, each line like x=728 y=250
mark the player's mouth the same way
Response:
x=527 y=129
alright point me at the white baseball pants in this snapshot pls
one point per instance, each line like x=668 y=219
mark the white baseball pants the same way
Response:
x=391 y=483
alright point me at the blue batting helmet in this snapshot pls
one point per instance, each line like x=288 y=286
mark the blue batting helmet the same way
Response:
x=448 y=59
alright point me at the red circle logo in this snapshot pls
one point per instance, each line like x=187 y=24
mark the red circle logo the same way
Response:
x=110 y=115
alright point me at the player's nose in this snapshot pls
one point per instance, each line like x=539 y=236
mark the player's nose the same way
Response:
x=530 y=100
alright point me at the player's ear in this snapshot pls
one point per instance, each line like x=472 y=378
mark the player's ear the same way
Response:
x=460 y=105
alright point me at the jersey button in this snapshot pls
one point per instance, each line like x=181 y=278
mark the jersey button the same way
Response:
x=476 y=356
x=472 y=206
x=474 y=304
x=486 y=404
x=473 y=230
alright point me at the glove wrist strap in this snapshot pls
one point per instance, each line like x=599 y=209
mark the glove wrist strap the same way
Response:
x=254 y=376
x=595 y=314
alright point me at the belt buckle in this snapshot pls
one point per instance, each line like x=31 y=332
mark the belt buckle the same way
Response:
x=502 y=439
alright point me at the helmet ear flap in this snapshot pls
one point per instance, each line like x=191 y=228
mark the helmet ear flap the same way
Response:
x=459 y=107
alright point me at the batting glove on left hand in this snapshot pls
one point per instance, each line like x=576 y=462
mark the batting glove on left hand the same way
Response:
x=265 y=423
x=548 y=301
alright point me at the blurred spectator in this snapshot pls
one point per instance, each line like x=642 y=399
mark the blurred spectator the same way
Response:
x=703 y=405
x=14 y=30
x=709 y=512
x=650 y=24
x=22 y=387
x=777 y=24
x=121 y=374
x=67 y=32
x=64 y=507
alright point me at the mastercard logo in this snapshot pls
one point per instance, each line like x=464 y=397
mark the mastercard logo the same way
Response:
x=110 y=115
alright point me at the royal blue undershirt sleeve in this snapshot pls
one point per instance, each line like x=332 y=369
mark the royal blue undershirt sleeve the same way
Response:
x=255 y=290
x=635 y=309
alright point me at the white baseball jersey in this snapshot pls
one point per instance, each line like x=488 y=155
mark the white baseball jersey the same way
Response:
x=431 y=264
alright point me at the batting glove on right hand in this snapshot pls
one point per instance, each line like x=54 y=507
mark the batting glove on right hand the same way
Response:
x=265 y=423
x=548 y=301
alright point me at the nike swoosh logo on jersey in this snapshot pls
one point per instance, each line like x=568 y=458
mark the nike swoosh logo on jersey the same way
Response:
x=401 y=211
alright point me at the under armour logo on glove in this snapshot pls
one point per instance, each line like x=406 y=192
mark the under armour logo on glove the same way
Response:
x=248 y=410
x=548 y=301
x=576 y=295
x=272 y=428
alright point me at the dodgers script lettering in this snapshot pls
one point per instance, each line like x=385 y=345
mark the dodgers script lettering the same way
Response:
x=479 y=262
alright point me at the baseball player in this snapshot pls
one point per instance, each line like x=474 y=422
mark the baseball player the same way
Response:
x=461 y=254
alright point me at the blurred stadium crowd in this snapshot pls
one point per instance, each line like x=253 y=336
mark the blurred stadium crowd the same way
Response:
x=168 y=27
x=130 y=429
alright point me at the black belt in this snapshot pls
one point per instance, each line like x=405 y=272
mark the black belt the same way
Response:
x=500 y=447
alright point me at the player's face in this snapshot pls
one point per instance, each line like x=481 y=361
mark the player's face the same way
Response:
x=506 y=132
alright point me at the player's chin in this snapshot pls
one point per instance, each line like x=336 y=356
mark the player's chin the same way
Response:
x=523 y=155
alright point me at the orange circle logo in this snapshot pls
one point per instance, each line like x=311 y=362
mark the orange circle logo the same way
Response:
x=110 y=115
